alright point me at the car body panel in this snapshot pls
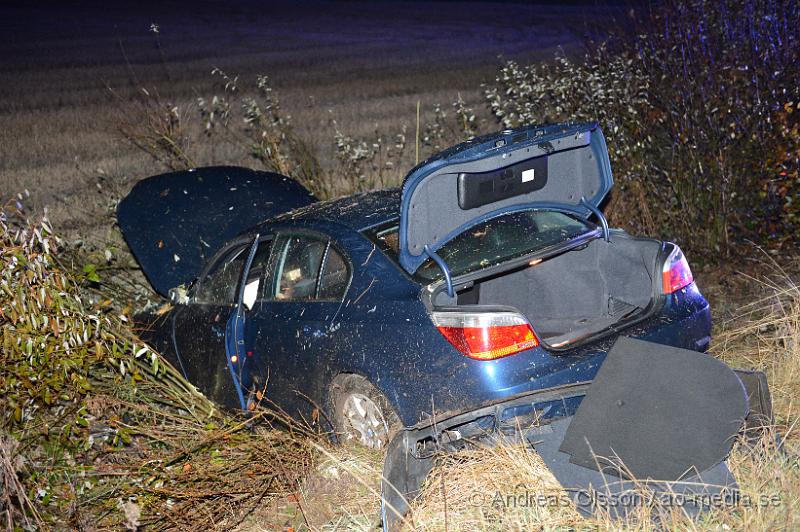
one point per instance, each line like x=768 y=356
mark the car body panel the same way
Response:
x=173 y=222
x=198 y=345
x=382 y=330
x=289 y=345
x=293 y=350
x=560 y=167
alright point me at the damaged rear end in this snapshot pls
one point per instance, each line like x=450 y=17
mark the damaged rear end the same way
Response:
x=519 y=281
x=503 y=222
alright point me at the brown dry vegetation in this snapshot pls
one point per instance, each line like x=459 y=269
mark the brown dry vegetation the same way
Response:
x=71 y=79
x=477 y=490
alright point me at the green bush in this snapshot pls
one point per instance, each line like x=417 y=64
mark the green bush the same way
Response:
x=96 y=429
x=695 y=99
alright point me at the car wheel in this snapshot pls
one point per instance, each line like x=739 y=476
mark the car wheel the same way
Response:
x=362 y=415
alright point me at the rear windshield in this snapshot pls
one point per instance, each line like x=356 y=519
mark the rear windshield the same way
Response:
x=494 y=241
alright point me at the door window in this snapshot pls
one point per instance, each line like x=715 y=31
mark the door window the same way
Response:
x=298 y=268
x=218 y=287
x=309 y=268
x=255 y=285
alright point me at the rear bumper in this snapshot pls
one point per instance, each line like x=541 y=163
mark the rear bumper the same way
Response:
x=411 y=453
x=506 y=417
x=684 y=321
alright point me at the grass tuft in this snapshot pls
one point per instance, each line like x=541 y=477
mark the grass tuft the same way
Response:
x=98 y=431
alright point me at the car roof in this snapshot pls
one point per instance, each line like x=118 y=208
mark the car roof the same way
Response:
x=358 y=212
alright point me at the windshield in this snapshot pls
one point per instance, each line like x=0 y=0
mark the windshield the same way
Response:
x=494 y=241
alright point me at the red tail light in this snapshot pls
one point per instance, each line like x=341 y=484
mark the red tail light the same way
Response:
x=676 y=272
x=486 y=335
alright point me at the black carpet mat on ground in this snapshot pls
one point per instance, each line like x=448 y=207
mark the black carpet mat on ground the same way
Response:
x=594 y=492
x=656 y=412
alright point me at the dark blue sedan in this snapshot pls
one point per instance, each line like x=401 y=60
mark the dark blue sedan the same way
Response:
x=483 y=280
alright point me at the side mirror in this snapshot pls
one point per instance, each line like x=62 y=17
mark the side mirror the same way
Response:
x=178 y=295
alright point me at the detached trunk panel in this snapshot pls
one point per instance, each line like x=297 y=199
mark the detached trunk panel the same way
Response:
x=580 y=292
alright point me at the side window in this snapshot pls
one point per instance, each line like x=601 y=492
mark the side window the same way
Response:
x=298 y=266
x=335 y=276
x=219 y=286
x=255 y=286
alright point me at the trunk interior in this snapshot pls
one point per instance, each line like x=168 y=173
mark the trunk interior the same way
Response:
x=578 y=293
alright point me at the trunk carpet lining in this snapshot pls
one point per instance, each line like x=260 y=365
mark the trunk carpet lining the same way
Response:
x=581 y=291
x=644 y=402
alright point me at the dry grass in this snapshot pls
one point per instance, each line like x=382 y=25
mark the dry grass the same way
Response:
x=487 y=489
x=97 y=431
x=493 y=489
x=59 y=139
x=765 y=334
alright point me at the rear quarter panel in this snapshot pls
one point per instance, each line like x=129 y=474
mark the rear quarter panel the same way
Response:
x=427 y=374
x=381 y=330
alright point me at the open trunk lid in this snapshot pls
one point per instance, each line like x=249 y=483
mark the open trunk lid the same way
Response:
x=174 y=222
x=561 y=167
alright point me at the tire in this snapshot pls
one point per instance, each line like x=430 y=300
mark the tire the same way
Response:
x=361 y=414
